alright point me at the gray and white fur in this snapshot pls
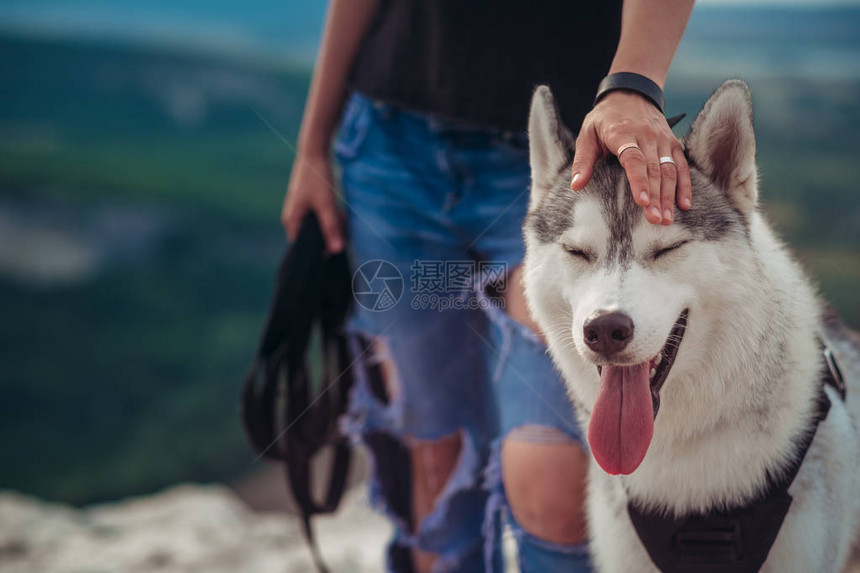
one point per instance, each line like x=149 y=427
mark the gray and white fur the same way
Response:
x=744 y=383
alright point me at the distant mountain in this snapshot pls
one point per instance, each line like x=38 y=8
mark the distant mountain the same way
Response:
x=772 y=40
x=287 y=27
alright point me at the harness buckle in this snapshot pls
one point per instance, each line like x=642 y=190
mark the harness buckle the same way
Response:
x=715 y=540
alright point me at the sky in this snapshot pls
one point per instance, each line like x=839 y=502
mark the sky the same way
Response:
x=290 y=27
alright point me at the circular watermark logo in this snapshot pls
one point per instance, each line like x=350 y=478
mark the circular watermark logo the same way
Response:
x=377 y=285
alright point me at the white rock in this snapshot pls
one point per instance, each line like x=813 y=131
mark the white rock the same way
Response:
x=186 y=529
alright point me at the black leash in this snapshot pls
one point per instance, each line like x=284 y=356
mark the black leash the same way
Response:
x=735 y=540
x=288 y=415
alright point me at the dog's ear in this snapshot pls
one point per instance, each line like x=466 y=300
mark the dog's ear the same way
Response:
x=550 y=144
x=721 y=143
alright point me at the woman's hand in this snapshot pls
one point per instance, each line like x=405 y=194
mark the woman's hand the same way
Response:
x=312 y=188
x=623 y=118
x=311 y=185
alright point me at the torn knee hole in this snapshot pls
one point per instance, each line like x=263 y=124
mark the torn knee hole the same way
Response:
x=539 y=434
x=544 y=474
x=433 y=464
x=382 y=372
x=514 y=298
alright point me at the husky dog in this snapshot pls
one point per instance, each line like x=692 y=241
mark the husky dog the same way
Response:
x=691 y=351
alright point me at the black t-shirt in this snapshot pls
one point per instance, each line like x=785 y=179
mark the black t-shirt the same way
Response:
x=479 y=61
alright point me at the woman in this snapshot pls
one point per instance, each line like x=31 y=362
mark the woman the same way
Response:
x=474 y=428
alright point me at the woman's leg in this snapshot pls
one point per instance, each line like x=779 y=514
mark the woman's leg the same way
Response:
x=539 y=468
x=545 y=486
x=430 y=441
x=426 y=422
x=544 y=471
x=432 y=462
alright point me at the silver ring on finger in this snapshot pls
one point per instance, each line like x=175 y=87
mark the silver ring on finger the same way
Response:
x=667 y=159
x=625 y=147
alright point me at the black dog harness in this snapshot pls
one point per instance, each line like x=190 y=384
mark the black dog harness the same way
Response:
x=735 y=540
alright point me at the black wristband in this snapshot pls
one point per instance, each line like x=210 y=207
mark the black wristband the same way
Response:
x=631 y=82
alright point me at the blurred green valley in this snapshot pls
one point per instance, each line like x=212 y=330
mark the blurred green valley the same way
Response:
x=139 y=202
x=140 y=190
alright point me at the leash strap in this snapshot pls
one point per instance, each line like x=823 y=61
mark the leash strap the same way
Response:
x=288 y=415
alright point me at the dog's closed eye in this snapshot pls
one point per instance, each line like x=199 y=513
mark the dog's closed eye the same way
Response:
x=584 y=254
x=666 y=250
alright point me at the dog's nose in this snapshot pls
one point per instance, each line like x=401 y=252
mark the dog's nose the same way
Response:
x=608 y=332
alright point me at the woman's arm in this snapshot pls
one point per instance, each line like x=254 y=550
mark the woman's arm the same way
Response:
x=311 y=184
x=345 y=27
x=650 y=33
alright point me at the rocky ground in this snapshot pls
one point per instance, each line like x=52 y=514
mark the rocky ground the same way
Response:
x=186 y=529
x=190 y=529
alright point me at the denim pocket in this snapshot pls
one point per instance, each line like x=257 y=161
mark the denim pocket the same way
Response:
x=354 y=127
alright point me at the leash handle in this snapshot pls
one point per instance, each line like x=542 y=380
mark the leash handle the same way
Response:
x=299 y=478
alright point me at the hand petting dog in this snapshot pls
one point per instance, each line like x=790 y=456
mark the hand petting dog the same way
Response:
x=629 y=126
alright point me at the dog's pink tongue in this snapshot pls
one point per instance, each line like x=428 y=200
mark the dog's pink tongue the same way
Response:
x=622 y=422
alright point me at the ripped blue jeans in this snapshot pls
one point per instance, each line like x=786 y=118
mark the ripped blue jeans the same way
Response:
x=435 y=216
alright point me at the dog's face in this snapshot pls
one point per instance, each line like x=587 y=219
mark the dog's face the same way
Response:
x=618 y=297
